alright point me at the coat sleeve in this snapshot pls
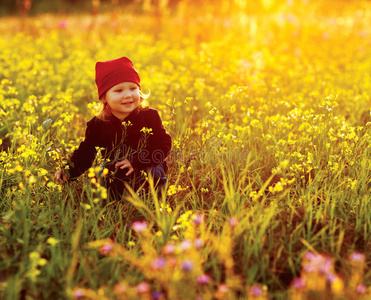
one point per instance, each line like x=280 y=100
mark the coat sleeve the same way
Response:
x=158 y=144
x=83 y=157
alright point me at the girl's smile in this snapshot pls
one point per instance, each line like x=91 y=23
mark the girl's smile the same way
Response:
x=127 y=103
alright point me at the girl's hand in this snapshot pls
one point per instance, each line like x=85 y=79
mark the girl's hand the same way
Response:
x=125 y=164
x=60 y=176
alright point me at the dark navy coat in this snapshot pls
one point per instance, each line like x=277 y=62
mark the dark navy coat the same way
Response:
x=141 y=138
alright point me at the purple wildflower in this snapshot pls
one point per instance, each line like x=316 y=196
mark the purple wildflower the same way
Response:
x=140 y=226
x=158 y=263
x=187 y=265
x=256 y=290
x=198 y=219
x=203 y=279
x=157 y=295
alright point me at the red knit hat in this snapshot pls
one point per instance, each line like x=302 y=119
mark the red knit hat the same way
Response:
x=112 y=72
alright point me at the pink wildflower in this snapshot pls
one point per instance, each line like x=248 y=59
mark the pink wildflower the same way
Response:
x=310 y=268
x=168 y=248
x=298 y=283
x=357 y=256
x=203 y=279
x=78 y=293
x=199 y=243
x=119 y=288
x=222 y=288
x=172 y=262
x=140 y=226
x=256 y=290
x=331 y=277
x=198 y=219
x=310 y=256
x=106 y=248
x=143 y=287
x=361 y=289
x=63 y=24
x=327 y=266
x=185 y=245
x=233 y=222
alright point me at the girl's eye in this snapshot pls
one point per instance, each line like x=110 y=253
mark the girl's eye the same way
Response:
x=133 y=88
x=118 y=91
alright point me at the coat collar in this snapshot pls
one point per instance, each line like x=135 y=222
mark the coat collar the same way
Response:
x=131 y=117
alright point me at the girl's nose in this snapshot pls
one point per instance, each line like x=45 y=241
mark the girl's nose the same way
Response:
x=127 y=95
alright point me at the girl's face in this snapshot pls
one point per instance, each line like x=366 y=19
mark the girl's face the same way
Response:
x=122 y=99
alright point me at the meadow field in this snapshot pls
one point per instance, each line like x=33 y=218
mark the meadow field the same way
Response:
x=268 y=193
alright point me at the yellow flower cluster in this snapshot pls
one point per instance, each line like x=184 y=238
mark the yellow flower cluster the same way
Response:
x=270 y=120
x=173 y=189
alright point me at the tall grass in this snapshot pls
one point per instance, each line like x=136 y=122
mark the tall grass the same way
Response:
x=269 y=171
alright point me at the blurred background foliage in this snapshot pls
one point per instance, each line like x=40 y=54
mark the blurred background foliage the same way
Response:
x=268 y=104
x=33 y=7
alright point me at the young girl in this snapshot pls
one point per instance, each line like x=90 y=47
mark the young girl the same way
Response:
x=133 y=137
